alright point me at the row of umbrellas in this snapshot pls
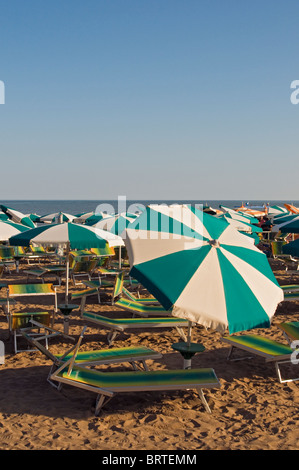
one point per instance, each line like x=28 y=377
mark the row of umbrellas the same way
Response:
x=201 y=267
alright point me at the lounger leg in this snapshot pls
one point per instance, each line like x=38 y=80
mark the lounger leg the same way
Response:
x=111 y=337
x=204 y=401
x=279 y=372
x=100 y=402
x=229 y=357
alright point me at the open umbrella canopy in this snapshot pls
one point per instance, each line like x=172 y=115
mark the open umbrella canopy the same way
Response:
x=290 y=225
x=241 y=225
x=68 y=234
x=292 y=208
x=96 y=217
x=228 y=212
x=9 y=229
x=55 y=218
x=202 y=269
x=291 y=248
x=17 y=216
x=117 y=223
x=277 y=211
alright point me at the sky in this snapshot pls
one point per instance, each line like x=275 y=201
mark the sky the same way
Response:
x=150 y=99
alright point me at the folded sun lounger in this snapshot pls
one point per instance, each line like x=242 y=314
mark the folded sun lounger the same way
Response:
x=117 y=325
x=271 y=351
x=107 y=384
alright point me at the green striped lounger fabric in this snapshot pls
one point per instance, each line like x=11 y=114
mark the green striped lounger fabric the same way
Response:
x=121 y=324
x=265 y=347
x=141 y=309
x=112 y=355
x=291 y=330
x=30 y=289
x=271 y=351
x=106 y=384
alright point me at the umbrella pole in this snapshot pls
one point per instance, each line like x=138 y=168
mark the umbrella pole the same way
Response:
x=119 y=258
x=189 y=333
x=67 y=274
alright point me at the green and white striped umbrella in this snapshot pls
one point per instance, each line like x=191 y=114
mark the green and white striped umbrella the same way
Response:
x=289 y=225
x=17 y=217
x=116 y=223
x=9 y=229
x=202 y=269
x=69 y=236
x=55 y=218
x=241 y=225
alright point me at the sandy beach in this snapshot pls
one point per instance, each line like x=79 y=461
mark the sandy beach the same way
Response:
x=251 y=410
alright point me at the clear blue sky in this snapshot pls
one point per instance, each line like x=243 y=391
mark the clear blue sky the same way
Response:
x=152 y=99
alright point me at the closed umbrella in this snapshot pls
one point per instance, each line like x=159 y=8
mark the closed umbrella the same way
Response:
x=69 y=236
x=202 y=269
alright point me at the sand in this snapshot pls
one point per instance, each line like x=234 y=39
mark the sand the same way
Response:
x=250 y=411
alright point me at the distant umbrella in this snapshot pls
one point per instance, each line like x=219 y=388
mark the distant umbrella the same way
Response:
x=69 y=236
x=9 y=229
x=17 y=216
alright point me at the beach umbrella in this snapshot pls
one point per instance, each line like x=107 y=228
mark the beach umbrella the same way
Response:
x=56 y=217
x=9 y=229
x=239 y=216
x=17 y=216
x=291 y=248
x=201 y=268
x=96 y=217
x=81 y=218
x=69 y=236
x=241 y=225
x=284 y=219
x=289 y=226
x=292 y=208
x=277 y=211
x=116 y=223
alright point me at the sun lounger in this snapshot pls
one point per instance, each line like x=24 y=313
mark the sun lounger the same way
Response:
x=132 y=355
x=271 y=351
x=107 y=384
x=25 y=290
x=290 y=330
x=132 y=305
x=21 y=320
x=83 y=294
x=45 y=272
x=119 y=325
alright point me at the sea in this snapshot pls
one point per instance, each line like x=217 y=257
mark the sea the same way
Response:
x=76 y=207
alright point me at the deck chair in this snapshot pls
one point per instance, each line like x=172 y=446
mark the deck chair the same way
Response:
x=107 y=384
x=7 y=257
x=271 y=351
x=290 y=331
x=21 y=320
x=119 y=325
x=83 y=268
x=83 y=294
x=56 y=271
x=135 y=356
x=22 y=290
x=136 y=307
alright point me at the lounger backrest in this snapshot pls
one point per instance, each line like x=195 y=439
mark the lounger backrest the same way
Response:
x=23 y=319
x=7 y=252
x=118 y=286
x=30 y=289
x=84 y=266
